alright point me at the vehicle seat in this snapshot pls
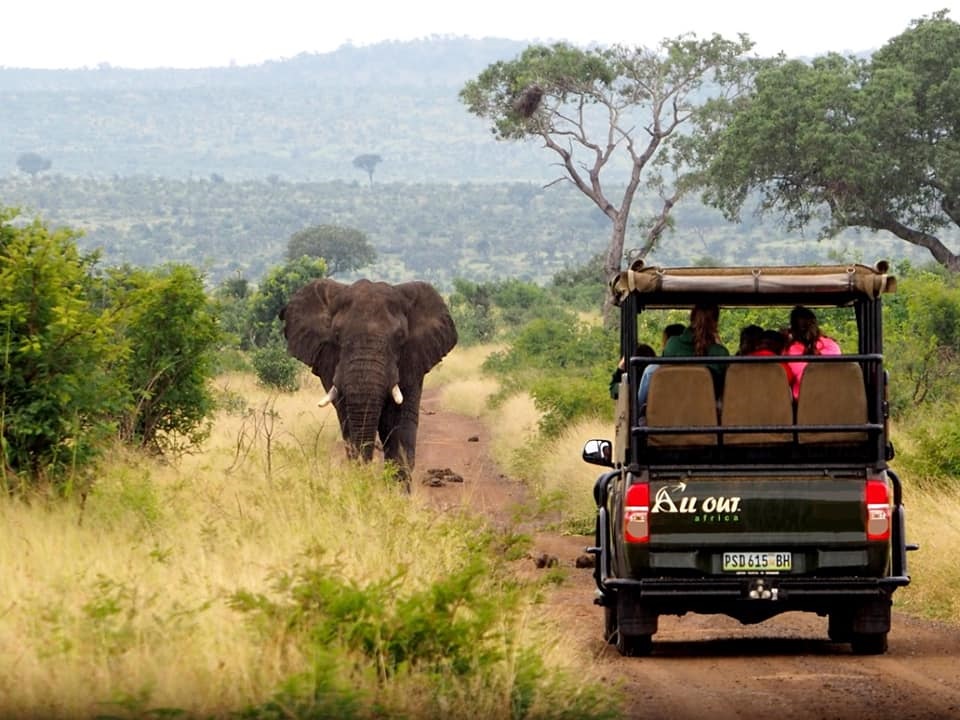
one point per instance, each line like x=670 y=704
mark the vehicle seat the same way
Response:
x=756 y=394
x=681 y=395
x=832 y=394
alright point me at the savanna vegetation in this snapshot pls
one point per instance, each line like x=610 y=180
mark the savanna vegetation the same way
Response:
x=235 y=564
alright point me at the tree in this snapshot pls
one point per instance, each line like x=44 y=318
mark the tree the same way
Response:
x=343 y=248
x=274 y=292
x=617 y=111
x=58 y=392
x=170 y=327
x=31 y=163
x=367 y=163
x=847 y=142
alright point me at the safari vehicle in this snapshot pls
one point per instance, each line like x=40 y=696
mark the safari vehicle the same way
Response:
x=749 y=503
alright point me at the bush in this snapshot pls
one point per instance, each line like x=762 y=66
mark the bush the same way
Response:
x=563 y=399
x=934 y=444
x=170 y=327
x=58 y=393
x=276 y=369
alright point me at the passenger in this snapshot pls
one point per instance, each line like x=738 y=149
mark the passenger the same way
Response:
x=700 y=339
x=642 y=350
x=806 y=339
x=671 y=330
x=749 y=339
x=772 y=343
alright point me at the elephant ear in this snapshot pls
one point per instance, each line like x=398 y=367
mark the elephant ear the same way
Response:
x=431 y=332
x=307 y=326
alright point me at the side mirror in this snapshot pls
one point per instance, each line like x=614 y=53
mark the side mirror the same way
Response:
x=598 y=452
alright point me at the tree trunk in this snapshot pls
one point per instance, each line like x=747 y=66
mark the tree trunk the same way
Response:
x=613 y=261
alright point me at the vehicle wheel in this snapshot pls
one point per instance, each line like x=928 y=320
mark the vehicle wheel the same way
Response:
x=610 y=624
x=634 y=645
x=840 y=626
x=868 y=643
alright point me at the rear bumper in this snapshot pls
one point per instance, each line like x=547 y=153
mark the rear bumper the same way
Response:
x=781 y=588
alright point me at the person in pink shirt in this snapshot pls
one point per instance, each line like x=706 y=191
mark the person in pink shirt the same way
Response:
x=806 y=339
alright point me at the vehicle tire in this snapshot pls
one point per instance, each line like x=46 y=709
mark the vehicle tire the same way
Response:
x=868 y=643
x=634 y=645
x=840 y=626
x=610 y=624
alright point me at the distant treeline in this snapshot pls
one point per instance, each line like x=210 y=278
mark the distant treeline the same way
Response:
x=436 y=232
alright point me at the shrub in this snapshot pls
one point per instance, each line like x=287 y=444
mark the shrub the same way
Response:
x=934 y=444
x=275 y=368
x=563 y=399
x=168 y=323
x=58 y=392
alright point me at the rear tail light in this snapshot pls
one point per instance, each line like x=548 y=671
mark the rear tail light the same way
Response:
x=878 y=510
x=636 y=514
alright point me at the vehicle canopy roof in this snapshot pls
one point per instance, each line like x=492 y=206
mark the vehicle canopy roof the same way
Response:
x=818 y=285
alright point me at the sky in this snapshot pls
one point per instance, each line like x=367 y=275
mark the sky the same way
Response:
x=216 y=33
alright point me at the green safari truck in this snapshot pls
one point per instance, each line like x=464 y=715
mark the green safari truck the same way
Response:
x=736 y=497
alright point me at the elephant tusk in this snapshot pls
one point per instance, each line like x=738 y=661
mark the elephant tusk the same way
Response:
x=330 y=397
x=397 y=395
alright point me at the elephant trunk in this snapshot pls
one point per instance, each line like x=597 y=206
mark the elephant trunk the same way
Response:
x=367 y=385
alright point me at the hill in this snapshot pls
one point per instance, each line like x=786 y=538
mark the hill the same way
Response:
x=303 y=119
x=218 y=167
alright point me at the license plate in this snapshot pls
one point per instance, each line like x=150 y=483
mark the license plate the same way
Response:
x=757 y=561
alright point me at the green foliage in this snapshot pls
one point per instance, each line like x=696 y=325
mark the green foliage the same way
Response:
x=471 y=309
x=564 y=398
x=232 y=298
x=852 y=142
x=58 y=389
x=922 y=336
x=456 y=631
x=518 y=301
x=275 y=368
x=557 y=343
x=582 y=287
x=169 y=325
x=564 y=364
x=273 y=293
x=934 y=454
x=343 y=248
x=561 y=69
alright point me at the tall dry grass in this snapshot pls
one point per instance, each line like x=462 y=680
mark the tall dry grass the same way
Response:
x=123 y=606
x=931 y=519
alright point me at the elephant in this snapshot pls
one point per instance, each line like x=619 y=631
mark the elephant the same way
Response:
x=371 y=343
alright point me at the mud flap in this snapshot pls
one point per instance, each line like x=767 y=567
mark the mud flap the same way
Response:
x=873 y=617
x=632 y=617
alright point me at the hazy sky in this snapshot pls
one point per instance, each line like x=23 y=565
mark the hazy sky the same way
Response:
x=200 y=33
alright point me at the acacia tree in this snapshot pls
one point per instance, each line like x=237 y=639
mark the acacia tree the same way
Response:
x=32 y=163
x=847 y=142
x=614 y=117
x=368 y=163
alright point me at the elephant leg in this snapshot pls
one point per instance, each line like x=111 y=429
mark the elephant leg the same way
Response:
x=398 y=433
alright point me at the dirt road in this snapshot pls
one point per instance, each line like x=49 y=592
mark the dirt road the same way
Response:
x=709 y=666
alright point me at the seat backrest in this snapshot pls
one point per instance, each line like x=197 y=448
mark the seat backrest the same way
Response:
x=832 y=394
x=682 y=395
x=756 y=394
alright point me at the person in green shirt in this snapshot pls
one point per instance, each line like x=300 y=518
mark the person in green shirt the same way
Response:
x=699 y=339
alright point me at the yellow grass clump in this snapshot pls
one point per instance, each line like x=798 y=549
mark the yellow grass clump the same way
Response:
x=934 y=590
